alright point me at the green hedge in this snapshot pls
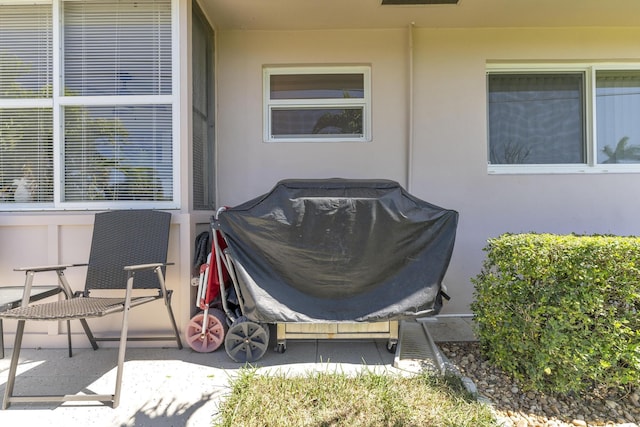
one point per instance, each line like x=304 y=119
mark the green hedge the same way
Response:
x=561 y=313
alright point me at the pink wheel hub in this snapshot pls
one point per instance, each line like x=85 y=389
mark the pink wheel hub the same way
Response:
x=209 y=338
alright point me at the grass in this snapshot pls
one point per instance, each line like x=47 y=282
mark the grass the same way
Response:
x=336 y=399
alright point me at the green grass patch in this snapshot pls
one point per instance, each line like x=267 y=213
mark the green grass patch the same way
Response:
x=337 y=399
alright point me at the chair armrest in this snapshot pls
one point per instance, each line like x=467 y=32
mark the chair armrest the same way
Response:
x=138 y=267
x=30 y=274
x=59 y=267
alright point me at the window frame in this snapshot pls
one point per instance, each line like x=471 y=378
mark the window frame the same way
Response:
x=59 y=100
x=270 y=104
x=588 y=70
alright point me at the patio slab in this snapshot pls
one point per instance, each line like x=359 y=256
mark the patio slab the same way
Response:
x=165 y=386
x=450 y=328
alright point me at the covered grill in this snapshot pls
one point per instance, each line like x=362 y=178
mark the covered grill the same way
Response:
x=336 y=250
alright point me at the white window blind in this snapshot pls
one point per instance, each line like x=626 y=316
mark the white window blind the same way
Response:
x=25 y=51
x=26 y=155
x=118 y=150
x=26 y=123
x=117 y=47
x=102 y=131
x=118 y=153
x=203 y=112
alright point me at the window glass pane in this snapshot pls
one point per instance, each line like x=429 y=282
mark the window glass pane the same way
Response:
x=118 y=153
x=117 y=47
x=296 y=122
x=203 y=118
x=536 y=119
x=617 y=116
x=26 y=155
x=25 y=51
x=317 y=86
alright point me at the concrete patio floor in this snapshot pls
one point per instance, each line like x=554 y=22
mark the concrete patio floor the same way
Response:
x=170 y=387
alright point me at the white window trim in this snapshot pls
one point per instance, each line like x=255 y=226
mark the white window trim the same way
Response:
x=365 y=103
x=589 y=70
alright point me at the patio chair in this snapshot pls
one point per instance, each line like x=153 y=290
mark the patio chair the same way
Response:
x=126 y=245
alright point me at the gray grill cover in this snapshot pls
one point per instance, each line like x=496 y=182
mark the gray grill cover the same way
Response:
x=338 y=250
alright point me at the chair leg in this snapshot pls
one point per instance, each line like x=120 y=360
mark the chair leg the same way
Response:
x=69 y=337
x=167 y=303
x=89 y=334
x=1 y=341
x=13 y=368
x=121 y=354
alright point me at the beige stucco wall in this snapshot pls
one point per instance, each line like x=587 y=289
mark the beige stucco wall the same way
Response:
x=448 y=165
x=249 y=167
x=452 y=145
x=51 y=239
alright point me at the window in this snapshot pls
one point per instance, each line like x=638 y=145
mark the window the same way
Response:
x=618 y=112
x=105 y=108
x=203 y=116
x=26 y=114
x=317 y=104
x=574 y=118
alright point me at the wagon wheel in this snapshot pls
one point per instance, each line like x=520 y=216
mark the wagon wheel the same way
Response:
x=212 y=336
x=281 y=348
x=246 y=341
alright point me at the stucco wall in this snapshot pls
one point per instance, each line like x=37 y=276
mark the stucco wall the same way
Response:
x=449 y=162
x=452 y=145
x=248 y=167
x=51 y=239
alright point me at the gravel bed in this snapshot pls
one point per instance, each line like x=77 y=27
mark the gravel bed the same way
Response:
x=521 y=408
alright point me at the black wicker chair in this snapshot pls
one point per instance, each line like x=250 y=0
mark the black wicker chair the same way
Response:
x=125 y=245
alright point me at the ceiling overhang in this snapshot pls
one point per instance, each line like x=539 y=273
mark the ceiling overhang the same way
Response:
x=372 y=14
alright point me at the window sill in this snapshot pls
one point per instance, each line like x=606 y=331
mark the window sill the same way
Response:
x=561 y=169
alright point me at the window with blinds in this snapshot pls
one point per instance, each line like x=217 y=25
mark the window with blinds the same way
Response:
x=117 y=47
x=563 y=118
x=26 y=155
x=203 y=112
x=26 y=51
x=108 y=116
x=118 y=153
x=26 y=119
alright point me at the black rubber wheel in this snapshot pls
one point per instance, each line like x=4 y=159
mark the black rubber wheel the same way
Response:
x=246 y=341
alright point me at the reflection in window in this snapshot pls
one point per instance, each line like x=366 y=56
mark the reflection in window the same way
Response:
x=26 y=155
x=536 y=118
x=26 y=55
x=617 y=111
x=118 y=153
x=113 y=103
x=317 y=86
x=26 y=126
x=289 y=122
x=117 y=48
x=317 y=104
